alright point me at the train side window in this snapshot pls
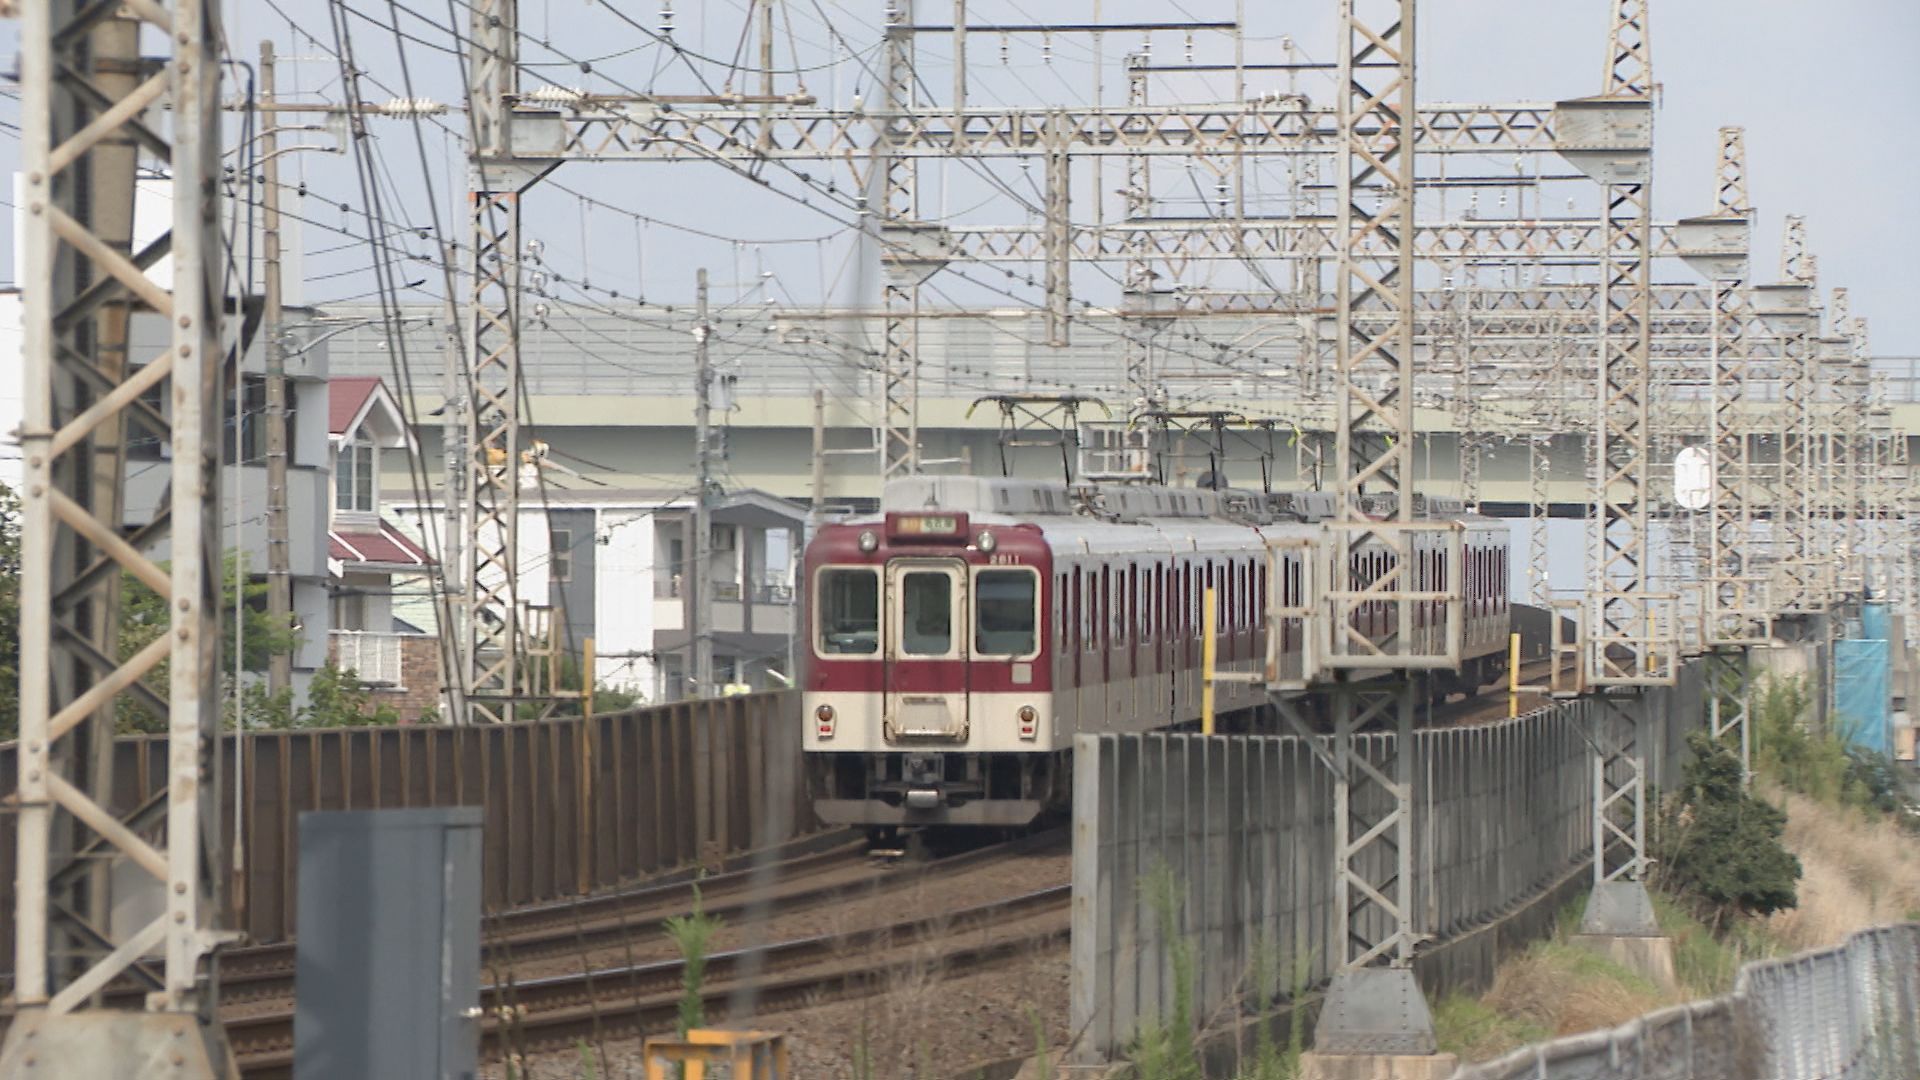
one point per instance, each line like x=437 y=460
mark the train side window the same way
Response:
x=1079 y=612
x=1060 y=615
x=1005 y=607
x=1106 y=606
x=848 y=611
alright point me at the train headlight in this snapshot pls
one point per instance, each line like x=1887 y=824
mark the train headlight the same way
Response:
x=1029 y=722
x=868 y=541
x=823 y=721
x=987 y=542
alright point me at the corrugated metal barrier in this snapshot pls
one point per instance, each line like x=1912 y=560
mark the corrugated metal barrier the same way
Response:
x=1845 y=1013
x=570 y=805
x=1241 y=829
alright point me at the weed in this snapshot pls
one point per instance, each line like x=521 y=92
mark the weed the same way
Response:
x=691 y=934
x=1165 y=1050
x=1042 y=1063
x=1476 y=1031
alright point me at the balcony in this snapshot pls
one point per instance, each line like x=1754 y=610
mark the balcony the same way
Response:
x=374 y=657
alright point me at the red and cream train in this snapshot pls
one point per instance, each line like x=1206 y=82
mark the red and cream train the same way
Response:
x=961 y=638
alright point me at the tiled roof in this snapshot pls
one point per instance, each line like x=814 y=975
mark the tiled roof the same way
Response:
x=345 y=398
x=383 y=545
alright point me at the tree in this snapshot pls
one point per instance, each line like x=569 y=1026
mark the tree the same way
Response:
x=1723 y=847
x=144 y=617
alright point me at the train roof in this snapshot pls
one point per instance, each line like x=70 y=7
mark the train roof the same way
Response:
x=1024 y=499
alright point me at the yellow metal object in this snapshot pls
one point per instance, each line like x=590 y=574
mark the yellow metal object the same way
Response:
x=587 y=667
x=1513 y=675
x=749 y=1055
x=1207 y=652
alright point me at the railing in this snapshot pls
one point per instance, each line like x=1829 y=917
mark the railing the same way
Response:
x=373 y=656
x=1843 y=1012
x=671 y=588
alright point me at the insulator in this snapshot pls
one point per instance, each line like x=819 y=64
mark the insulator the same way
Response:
x=412 y=107
x=666 y=19
x=1189 y=46
x=556 y=95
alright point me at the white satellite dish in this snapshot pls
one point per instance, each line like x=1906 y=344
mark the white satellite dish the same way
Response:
x=1693 y=478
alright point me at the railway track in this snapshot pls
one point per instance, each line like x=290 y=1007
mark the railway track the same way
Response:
x=532 y=1015
x=535 y=1015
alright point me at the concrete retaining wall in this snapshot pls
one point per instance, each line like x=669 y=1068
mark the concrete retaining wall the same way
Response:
x=1241 y=829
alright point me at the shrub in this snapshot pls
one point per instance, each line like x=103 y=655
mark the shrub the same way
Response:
x=1721 y=847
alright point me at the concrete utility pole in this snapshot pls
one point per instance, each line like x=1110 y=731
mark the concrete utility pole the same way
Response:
x=701 y=602
x=279 y=552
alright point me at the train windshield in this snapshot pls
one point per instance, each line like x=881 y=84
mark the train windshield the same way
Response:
x=1004 y=612
x=849 y=604
x=926 y=608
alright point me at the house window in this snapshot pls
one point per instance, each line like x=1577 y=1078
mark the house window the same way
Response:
x=562 y=564
x=355 y=476
x=349 y=611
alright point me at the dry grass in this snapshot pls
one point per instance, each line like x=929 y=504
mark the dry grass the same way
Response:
x=1857 y=871
x=1566 y=988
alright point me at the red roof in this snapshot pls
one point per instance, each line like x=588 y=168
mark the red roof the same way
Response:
x=383 y=545
x=345 y=398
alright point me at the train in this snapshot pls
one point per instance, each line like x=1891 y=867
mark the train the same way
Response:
x=960 y=637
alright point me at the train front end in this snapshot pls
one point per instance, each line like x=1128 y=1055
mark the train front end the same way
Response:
x=928 y=685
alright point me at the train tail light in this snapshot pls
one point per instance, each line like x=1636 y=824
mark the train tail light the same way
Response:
x=823 y=721
x=1029 y=722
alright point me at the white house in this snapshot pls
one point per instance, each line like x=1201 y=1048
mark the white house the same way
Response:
x=370 y=563
x=613 y=565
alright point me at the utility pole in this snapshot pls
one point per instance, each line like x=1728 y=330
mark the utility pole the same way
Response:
x=702 y=599
x=279 y=551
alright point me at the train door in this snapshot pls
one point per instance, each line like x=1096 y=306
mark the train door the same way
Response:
x=926 y=667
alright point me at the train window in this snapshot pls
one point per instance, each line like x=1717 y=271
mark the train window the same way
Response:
x=1004 y=612
x=926 y=613
x=848 y=602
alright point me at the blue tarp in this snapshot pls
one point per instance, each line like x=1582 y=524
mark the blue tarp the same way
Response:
x=1876 y=622
x=1863 y=693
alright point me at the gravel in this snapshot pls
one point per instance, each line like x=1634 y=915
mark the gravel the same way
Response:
x=923 y=1026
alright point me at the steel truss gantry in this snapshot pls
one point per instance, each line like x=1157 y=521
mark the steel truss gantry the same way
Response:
x=1374 y=1005
x=1629 y=636
x=87 y=107
x=1736 y=613
x=483 y=496
x=1787 y=310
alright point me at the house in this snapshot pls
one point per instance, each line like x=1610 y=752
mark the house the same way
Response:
x=613 y=565
x=755 y=550
x=371 y=563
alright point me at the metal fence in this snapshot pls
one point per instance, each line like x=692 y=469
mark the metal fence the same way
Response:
x=1239 y=829
x=569 y=805
x=1844 y=1013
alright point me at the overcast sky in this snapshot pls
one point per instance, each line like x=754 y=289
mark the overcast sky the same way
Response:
x=1827 y=93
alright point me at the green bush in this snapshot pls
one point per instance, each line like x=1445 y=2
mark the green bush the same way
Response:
x=1822 y=765
x=1720 y=846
